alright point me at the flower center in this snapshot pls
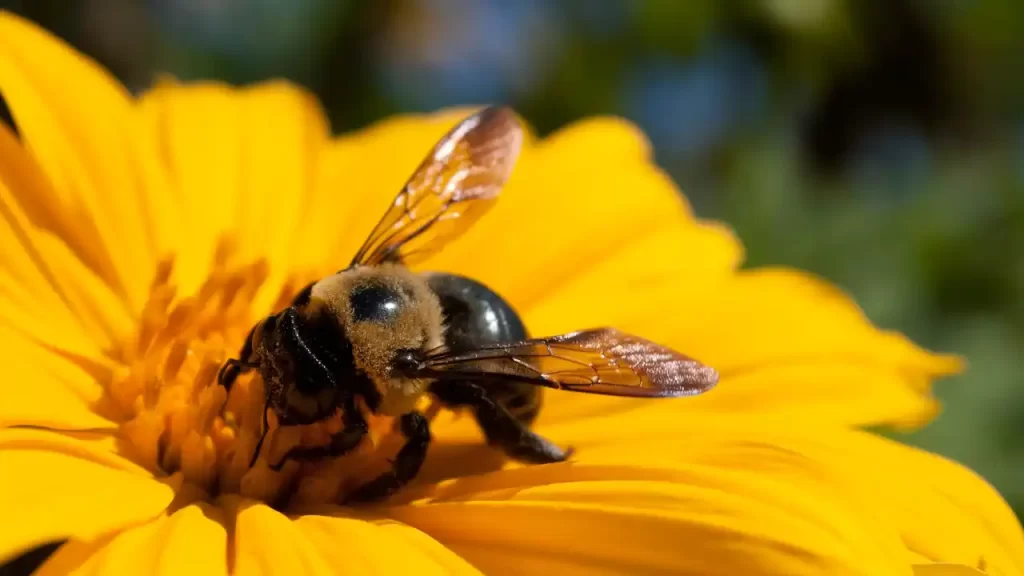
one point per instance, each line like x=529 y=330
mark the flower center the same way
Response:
x=178 y=421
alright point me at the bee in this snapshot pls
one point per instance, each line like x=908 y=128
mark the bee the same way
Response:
x=379 y=332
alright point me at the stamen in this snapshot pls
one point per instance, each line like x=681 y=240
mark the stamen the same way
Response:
x=177 y=419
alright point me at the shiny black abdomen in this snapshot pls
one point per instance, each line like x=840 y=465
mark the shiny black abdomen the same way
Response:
x=476 y=316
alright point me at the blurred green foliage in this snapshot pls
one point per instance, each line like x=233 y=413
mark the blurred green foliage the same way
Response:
x=878 y=143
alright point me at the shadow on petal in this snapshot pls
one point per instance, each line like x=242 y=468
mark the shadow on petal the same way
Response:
x=455 y=460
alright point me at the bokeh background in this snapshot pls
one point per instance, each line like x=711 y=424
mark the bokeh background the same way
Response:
x=879 y=143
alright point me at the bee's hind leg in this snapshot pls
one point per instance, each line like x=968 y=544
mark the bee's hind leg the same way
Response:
x=501 y=428
x=406 y=465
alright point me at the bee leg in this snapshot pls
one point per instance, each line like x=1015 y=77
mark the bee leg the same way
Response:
x=501 y=428
x=342 y=442
x=406 y=465
x=231 y=370
x=234 y=367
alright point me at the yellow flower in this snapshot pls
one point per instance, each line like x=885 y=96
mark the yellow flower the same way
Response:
x=119 y=299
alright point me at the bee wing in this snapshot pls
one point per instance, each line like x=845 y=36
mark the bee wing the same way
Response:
x=453 y=186
x=599 y=361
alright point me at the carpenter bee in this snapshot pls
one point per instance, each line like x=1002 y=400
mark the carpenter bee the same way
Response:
x=380 y=332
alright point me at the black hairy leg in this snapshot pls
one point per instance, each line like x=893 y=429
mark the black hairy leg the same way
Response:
x=342 y=442
x=231 y=370
x=523 y=401
x=234 y=367
x=501 y=428
x=405 y=466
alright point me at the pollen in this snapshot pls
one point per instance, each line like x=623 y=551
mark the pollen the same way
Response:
x=177 y=421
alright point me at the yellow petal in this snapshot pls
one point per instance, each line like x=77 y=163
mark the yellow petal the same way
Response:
x=193 y=540
x=384 y=547
x=44 y=388
x=811 y=395
x=48 y=290
x=56 y=487
x=80 y=142
x=654 y=495
x=658 y=519
x=856 y=394
x=196 y=133
x=268 y=542
x=787 y=342
x=932 y=508
x=279 y=164
x=662 y=267
x=801 y=317
x=241 y=161
x=944 y=511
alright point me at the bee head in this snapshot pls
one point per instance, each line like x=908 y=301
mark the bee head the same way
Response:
x=303 y=356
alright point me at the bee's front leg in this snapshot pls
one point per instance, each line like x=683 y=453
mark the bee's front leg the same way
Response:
x=416 y=429
x=342 y=442
x=234 y=367
x=230 y=371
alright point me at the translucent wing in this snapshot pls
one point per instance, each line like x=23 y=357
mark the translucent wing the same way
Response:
x=600 y=361
x=455 y=184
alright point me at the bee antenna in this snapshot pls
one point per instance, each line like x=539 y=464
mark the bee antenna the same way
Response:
x=263 y=435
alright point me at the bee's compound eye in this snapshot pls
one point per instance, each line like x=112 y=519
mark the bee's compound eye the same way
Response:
x=374 y=303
